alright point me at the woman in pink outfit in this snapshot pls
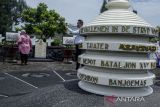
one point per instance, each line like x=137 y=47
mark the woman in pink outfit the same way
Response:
x=24 y=45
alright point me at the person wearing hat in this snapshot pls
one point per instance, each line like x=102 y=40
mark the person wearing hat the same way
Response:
x=24 y=46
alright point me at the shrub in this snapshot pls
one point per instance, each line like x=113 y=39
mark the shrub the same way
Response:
x=56 y=42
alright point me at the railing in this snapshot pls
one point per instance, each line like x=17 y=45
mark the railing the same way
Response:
x=56 y=53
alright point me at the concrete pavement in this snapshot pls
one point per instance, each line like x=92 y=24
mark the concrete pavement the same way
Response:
x=54 y=84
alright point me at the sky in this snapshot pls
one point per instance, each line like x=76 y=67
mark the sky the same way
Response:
x=88 y=10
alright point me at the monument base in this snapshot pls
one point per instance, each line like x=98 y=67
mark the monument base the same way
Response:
x=115 y=91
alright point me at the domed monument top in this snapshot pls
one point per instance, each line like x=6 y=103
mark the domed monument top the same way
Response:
x=120 y=16
x=112 y=4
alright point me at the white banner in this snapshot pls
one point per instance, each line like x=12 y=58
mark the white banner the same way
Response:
x=68 y=40
x=10 y=36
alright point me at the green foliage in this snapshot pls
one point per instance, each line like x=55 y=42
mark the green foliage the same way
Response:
x=44 y=22
x=8 y=43
x=69 y=46
x=10 y=11
x=1 y=43
x=56 y=42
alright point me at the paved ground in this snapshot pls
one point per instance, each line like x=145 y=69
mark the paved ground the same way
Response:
x=54 y=84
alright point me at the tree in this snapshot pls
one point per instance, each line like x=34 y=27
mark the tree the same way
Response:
x=18 y=9
x=103 y=7
x=9 y=13
x=42 y=21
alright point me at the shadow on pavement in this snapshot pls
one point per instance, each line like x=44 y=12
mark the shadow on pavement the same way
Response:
x=73 y=86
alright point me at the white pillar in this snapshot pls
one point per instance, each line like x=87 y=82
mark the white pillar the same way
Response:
x=116 y=61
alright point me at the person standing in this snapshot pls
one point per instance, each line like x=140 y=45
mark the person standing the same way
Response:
x=78 y=39
x=24 y=46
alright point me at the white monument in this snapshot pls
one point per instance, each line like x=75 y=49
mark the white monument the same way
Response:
x=1 y=38
x=40 y=49
x=116 y=58
x=34 y=40
x=49 y=41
